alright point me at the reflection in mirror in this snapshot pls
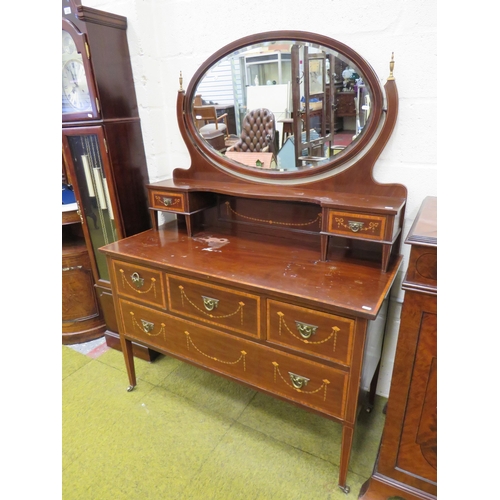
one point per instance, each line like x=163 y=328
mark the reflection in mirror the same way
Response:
x=268 y=94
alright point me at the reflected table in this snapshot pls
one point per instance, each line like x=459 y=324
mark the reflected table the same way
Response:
x=287 y=128
x=261 y=160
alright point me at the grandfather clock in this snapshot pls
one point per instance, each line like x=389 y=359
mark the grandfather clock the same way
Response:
x=102 y=141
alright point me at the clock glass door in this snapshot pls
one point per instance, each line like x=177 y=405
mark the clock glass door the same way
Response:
x=93 y=190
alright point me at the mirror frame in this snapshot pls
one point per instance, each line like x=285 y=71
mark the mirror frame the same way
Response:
x=217 y=159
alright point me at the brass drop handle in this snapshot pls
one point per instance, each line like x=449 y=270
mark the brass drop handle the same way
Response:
x=137 y=280
x=168 y=202
x=209 y=303
x=355 y=226
x=297 y=380
x=305 y=330
x=147 y=326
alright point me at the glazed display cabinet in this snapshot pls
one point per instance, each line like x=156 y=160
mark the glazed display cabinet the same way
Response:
x=102 y=140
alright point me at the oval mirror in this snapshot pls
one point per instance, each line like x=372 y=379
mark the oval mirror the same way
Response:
x=284 y=103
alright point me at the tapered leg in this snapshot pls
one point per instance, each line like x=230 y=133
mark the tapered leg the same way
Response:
x=345 y=454
x=129 y=361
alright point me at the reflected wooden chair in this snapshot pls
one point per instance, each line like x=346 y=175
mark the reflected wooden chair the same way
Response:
x=208 y=122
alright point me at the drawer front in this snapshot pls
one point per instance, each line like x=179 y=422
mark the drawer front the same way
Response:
x=371 y=227
x=311 y=384
x=221 y=352
x=140 y=283
x=324 y=335
x=165 y=200
x=215 y=305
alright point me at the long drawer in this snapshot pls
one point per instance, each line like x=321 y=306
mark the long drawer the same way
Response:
x=215 y=305
x=321 y=334
x=312 y=384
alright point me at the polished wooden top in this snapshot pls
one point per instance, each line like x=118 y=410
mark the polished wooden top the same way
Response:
x=389 y=205
x=344 y=284
x=424 y=229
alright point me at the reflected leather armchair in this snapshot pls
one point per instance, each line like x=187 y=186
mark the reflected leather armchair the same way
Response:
x=257 y=132
x=208 y=122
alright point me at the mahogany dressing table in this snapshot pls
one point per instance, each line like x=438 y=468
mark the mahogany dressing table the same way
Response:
x=270 y=278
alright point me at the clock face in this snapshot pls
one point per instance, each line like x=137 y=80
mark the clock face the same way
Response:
x=74 y=85
x=75 y=89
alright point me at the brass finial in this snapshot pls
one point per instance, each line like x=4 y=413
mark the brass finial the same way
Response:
x=180 y=82
x=391 y=67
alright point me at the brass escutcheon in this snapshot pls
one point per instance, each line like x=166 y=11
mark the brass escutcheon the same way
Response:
x=147 y=326
x=297 y=380
x=209 y=303
x=355 y=226
x=137 y=280
x=305 y=330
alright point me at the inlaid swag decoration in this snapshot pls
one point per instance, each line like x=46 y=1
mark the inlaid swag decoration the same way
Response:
x=306 y=331
x=190 y=343
x=230 y=210
x=211 y=304
x=136 y=283
x=147 y=327
x=298 y=382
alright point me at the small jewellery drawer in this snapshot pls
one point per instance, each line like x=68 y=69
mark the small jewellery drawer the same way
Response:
x=306 y=330
x=215 y=305
x=164 y=200
x=140 y=283
x=371 y=227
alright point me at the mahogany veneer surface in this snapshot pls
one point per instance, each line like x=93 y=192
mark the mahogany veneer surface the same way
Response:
x=264 y=285
x=344 y=283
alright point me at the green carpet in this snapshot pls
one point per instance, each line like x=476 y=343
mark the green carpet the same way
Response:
x=185 y=434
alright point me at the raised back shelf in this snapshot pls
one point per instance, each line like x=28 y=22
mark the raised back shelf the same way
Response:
x=291 y=212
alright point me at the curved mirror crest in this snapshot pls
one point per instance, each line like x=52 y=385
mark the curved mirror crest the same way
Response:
x=252 y=104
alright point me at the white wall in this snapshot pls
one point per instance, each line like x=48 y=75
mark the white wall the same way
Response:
x=166 y=37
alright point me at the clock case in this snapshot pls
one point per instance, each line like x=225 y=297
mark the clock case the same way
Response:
x=115 y=128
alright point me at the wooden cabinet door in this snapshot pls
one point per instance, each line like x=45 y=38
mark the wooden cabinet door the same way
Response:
x=408 y=453
x=418 y=448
